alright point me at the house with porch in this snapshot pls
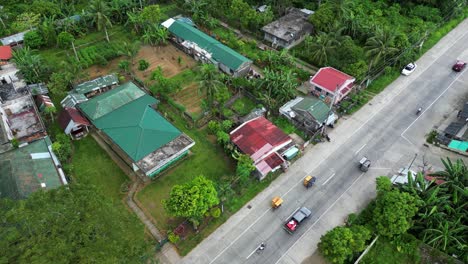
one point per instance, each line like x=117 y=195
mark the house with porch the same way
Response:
x=308 y=113
x=97 y=86
x=206 y=49
x=290 y=29
x=73 y=123
x=266 y=144
x=331 y=84
x=127 y=121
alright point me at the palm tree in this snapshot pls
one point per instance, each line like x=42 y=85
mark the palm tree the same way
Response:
x=380 y=46
x=160 y=34
x=135 y=20
x=209 y=81
x=147 y=37
x=48 y=31
x=130 y=50
x=320 y=49
x=99 y=11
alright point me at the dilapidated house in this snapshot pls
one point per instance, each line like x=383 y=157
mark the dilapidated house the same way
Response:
x=290 y=29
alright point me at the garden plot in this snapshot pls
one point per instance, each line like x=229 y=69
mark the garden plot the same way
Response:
x=190 y=98
x=166 y=57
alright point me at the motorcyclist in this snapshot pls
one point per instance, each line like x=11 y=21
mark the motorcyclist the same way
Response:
x=262 y=246
x=419 y=110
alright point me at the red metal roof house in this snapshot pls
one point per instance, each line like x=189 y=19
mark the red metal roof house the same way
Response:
x=262 y=140
x=5 y=53
x=329 y=81
x=73 y=123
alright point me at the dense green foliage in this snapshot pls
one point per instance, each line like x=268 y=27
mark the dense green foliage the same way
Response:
x=192 y=199
x=73 y=224
x=341 y=243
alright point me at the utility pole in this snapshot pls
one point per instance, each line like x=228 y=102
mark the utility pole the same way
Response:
x=330 y=107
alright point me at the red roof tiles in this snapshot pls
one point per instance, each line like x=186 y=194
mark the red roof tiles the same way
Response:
x=331 y=78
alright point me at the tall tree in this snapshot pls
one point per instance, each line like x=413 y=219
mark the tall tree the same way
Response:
x=30 y=65
x=192 y=199
x=380 y=46
x=72 y=224
x=99 y=12
x=321 y=48
x=209 y=81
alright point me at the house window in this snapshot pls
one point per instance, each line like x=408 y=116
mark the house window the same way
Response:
x=317 y=89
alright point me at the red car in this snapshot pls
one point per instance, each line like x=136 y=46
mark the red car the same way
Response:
x=459 y=66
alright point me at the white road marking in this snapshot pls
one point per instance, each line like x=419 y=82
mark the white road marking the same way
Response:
x=361 y=148
x=255 y=250
x=329 y=178
x=237 y=238
x=316 y=221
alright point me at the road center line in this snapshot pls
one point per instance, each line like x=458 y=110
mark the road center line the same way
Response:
x=361 y=148
x=329 y=178
x=255 y=250
x=316 y=221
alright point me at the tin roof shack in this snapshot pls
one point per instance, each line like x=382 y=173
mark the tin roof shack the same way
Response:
x=73 y=123
x=21 y=119
x=29 y=168
x=97 y=86
x=207 y=49
x=289 y=30
x=14 y=40
x=72 y=99
x=128 y=123
x=8 y=75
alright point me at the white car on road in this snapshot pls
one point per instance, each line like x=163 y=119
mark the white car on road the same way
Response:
x=409 y=69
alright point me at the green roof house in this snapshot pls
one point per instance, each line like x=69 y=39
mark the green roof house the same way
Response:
x=94 y=87
x=127 y=121
x=309 y=113
x=30 y=168
x=207 y=49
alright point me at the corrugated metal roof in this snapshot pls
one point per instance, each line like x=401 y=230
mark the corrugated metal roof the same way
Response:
x=257 y=137
x=73 y=99
x=22 y=170
x=316 y=107
x=5 y=53
x=459 y=145
x=330 y=78
x=137 y=128
x=95 y=84
x=109 y=101
x=453 y=128
x=219 y=52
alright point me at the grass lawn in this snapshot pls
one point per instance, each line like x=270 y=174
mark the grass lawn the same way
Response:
x=92 y=165
x=207 y=159
x=243 y=106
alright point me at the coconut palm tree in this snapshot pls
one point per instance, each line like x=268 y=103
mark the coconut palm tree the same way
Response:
x=380 y=46
x=99 y=12
x=209 y=81
x=323 y=45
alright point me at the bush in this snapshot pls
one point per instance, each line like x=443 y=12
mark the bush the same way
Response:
x=33 y=39
x=432 y=137
x=15 y=142
x=62 y=147
x=227 y=112
x=176 y=105
x=143 y=65
x=215 y=212
x=213 y=127
x=64 y=39
x=173 y=238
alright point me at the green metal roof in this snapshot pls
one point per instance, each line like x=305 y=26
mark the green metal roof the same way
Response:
x=459 y=145
x=100 y=82
x=22 y=170
x=109 y=101
x=316 y=107
x=137 y=128
x=219 y=52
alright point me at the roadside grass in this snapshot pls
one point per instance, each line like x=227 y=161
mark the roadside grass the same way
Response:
x=384 y=252
x=92 y=165
x=287 y=126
